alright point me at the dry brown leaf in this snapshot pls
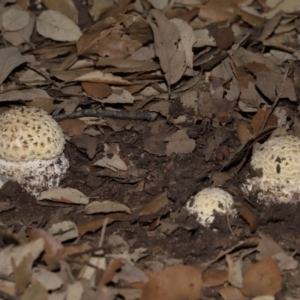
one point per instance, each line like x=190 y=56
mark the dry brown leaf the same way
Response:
x=35 y=248
x=186 y=284
x=105 y=206
x=251 y=218
x=235 y=277
x=153 y=206
x=10 y=58
x=263 y=278
x=15 y=19
x=269 y=83
x=259 y=118
x=113 y=163
x=52 y=246
x=166 y=36
x=243 y=132
x=64 y=195
x=53 y=24
x=50 y=280
x=35 y=291
x=231 y=293
x=224 y=37
x=107 y=39
x=96 y=90
x=99 y=7
x=66 y=7
x=64 y=231
x=100 y=77
x=22 y=273
x=73 y=127
x=25 y=95
x=212 y=277
x=187 y=40
x=180 y=143
x=21 y=36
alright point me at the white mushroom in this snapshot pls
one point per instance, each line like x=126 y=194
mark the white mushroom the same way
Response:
x=279 y=162
x=210 y=200
x=31 y=149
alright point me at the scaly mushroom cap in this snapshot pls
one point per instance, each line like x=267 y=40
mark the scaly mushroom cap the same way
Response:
x=279 y=160
x=28 y=133
x=31 y=149
x=203 y=205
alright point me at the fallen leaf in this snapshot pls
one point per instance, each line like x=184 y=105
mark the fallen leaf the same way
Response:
x=50 y=280
x=180 y=143
x=66 y=7
x=250 y=217
x=187 y=284
x=74 y=291
x=25 y=95
x=212 y=277
x=34 y=248
x=53 y=24
x=96 y=90
x=52 y=246
x=15 y=19
x=10 y=58
x=166 y=36
x=153 y=206
x=100 y=77
x=73 y=127
x=113 y=163
x=64 y=231
x=263 y=278
x=64 y=195
x=105 y=207
x=231 y=293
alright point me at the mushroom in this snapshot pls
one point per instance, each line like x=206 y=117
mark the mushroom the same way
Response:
x=210 y=200
x=31 y=149
x=278 y=162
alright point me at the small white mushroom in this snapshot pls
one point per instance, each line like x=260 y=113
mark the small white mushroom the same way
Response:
x=210 y=200
x=279 y=162
x=31 y=149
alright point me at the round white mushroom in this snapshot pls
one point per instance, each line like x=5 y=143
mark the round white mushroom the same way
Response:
x=278 y=159
x=31 y=149
x=208 y=201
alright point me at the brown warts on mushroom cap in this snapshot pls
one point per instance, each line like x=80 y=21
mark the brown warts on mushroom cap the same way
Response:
x=279 y=160
x=32 y=154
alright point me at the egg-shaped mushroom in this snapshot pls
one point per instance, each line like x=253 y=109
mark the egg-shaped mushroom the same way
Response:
x=31 y=149
x=209 y=202
x=277 y=162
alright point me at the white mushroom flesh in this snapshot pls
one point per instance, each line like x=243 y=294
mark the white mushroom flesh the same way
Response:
x=208 y=201
x=279 y=161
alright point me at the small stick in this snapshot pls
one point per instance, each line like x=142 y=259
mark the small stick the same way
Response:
x=131 y=115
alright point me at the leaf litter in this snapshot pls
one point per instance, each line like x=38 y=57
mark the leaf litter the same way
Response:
x=219 y=77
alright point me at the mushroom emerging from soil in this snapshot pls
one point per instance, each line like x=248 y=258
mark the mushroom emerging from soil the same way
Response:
x=210 y=200
x=31 y=149
x=278 y=160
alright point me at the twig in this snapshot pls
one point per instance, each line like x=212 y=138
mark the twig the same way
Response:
x=131 y=115
x=276 y=99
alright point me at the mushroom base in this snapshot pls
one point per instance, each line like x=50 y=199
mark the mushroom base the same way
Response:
x=273 y=190
x=35 y=175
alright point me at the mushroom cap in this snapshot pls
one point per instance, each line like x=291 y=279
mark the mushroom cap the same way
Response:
x=279 y=157
x=279 y=160
x=204 y=203
x=28 y=133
